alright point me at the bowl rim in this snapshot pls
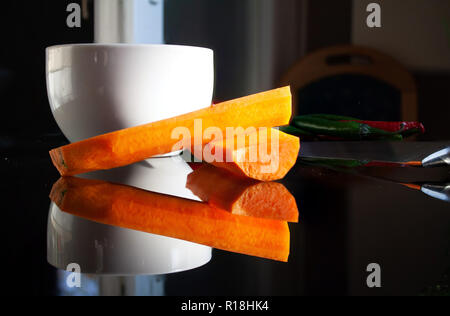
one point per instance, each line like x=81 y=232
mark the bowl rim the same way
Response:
x=128 y=45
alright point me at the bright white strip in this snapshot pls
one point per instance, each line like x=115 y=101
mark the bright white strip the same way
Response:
x=129 y=21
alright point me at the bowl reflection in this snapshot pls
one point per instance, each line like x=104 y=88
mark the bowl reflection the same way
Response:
x=110 y=250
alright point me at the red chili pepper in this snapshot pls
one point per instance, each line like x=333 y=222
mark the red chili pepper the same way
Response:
x=344 y=127
x=393 y=127
x=393 y=164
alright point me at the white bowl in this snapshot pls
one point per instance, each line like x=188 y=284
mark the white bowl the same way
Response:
x=95 y=88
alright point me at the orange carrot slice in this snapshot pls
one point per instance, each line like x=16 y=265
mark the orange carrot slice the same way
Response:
x=128 y=207
x=242 y=196
x=258 y=159
x=271 y=108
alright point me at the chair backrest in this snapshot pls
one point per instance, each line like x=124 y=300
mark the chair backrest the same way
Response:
x=336 y=66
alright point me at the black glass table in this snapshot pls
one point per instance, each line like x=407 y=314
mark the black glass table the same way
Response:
x=349 y=219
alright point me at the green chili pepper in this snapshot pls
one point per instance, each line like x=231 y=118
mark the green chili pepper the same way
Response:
x=294 y=131
x=347 y=130
x=346 y=163
x=405 y=128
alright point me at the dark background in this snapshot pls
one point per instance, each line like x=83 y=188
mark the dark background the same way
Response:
x=298 y=29
x=26 y=30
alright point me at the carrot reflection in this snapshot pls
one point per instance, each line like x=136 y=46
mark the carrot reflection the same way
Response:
x=242 y=196
x=155 y=213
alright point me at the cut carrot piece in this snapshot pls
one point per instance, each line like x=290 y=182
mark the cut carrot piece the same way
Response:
x=242 y=196
x=271 y=108
x=260 y=159
x=132 y=208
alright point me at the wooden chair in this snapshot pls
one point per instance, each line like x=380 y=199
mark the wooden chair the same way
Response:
x=354 y=60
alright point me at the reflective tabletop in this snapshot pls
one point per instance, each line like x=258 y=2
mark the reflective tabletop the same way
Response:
x=350 y=220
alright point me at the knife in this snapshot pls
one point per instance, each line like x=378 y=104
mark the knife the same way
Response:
x=439 y=191
x=439 y=158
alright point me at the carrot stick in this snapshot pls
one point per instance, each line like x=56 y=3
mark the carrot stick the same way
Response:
x=128 y=207
x=242 y=196
x=123 y=147
x=256 y=159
